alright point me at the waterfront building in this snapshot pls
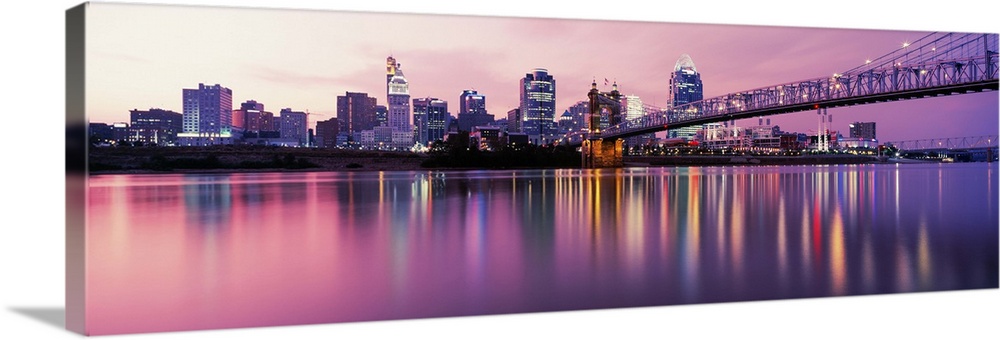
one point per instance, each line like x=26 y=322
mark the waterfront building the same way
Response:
x=719 y=136
x=538 y=105
x=155 y=126
x=294 y=126
x=207 y=115
x=100 y=133
x=862 y=130
x=207 y=110
x=685 y=87
x=485 y=138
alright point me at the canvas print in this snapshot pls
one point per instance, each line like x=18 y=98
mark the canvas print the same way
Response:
x=282 y=167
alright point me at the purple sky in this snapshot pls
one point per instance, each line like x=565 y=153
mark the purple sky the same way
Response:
x=142 y=56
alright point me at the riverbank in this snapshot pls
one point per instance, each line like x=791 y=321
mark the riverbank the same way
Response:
x=225 y=159
x=238 y=159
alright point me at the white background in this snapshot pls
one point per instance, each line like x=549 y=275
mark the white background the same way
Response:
x=32 y=237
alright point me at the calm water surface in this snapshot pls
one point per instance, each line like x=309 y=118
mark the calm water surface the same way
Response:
x=173 y=252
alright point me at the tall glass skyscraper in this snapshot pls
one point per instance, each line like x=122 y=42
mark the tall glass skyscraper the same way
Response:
x=208 y=110
x=538 y=105
x=685 y=87
x=429 y=118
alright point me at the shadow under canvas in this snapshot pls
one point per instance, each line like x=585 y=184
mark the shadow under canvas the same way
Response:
x=54 y=316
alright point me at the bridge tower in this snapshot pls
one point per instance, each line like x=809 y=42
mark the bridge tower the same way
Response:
x=595 y=151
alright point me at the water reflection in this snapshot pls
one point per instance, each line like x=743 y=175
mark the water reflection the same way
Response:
x=169 y=252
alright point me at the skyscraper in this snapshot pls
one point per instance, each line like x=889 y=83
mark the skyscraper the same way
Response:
x=397 y=97
x=472 y=110
x=632 y=106
x=355 y=112
x=294 y=125
x=514 y=120
x=538 y=105
x=633 y=109
x=429 y=118
x=685 y=87
x=208 y=111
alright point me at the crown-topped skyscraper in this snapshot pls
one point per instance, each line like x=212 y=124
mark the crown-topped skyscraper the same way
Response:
x=397 y=96
x=685 y=87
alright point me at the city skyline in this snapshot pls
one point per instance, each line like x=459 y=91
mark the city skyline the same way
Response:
x=309 y=72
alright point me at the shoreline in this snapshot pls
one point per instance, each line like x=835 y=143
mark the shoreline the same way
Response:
x=231 y=160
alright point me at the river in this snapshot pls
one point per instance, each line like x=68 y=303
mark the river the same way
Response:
x=196 y=251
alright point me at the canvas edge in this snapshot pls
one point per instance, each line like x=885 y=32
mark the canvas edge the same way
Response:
x=76 y=169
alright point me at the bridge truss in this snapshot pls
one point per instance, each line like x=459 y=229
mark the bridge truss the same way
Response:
x=956 y=143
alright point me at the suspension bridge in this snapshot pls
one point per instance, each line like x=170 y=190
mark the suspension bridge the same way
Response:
x=938 y=64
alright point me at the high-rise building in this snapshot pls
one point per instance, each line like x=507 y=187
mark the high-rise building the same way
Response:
x=381 y=115
x=326 y=133
x=685 y=87
x=294 y=126
x=208 y=111
x=470 y=101
x=538 y=105
x=355 y=113
x=472 y=110
x=633 y=109
x=864 y=130
x=514 y=120
x=397 y=97
x=156 y=126
x=580 y=112
x=632 y=106
x=429 y=117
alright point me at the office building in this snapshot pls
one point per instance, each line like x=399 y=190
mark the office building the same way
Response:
x=429 y=119
x=294 y=127
x=155 y=126
x=514 y=120
x=862 y=130
x=208 y=111
x=472 y=111
x=355 y=113
x=538 y=105
x=326 y=133
x=381 y=115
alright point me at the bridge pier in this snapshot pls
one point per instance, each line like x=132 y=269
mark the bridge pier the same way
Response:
x=600 y=153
